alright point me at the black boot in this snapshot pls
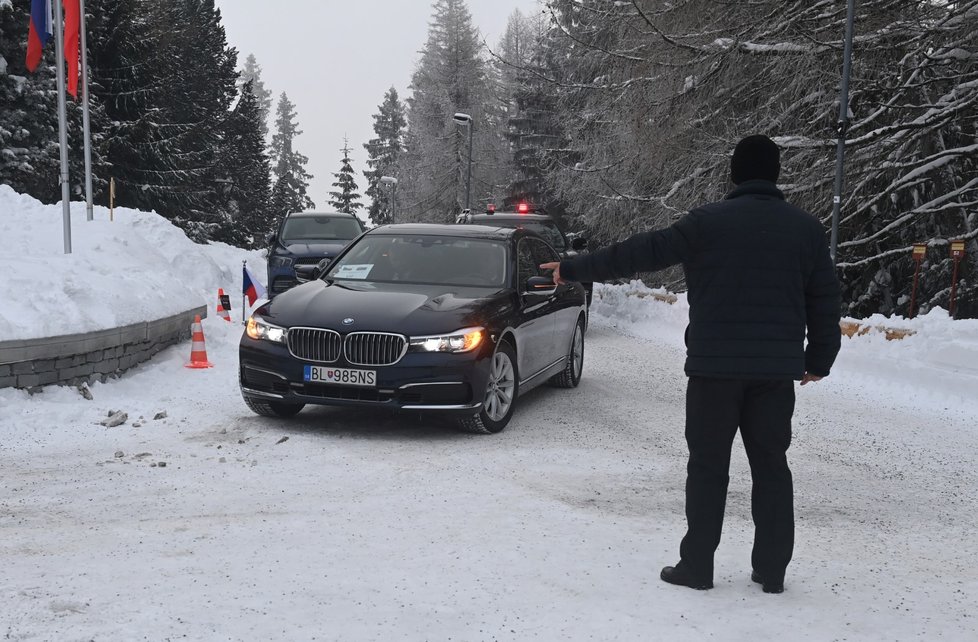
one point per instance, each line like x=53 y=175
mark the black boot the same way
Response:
x=767 y=587
x=680 y=576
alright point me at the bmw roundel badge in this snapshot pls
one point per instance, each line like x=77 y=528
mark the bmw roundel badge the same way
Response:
x=348 y=321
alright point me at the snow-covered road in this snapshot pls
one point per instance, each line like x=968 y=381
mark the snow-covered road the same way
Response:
x=363 y=526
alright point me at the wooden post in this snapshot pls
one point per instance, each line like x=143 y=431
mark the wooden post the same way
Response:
x=957 y=253
x=919 y=252
x=112 y=199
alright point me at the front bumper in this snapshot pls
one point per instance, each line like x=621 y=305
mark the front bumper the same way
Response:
x=445 y=383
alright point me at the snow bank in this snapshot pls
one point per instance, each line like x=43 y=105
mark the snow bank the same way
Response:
x=936 y=366
x=138 y=268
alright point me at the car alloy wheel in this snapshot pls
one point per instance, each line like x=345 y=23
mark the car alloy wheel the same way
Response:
x=502 y=389
x=502 y=385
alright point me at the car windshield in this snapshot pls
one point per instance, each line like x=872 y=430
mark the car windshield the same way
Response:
x=547 y=229
x=421 y=259
x=320 y=228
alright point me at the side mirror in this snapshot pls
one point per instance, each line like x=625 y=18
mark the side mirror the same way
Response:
x=322 y=267
x=270 y=238
x=540 y=284
x=579 y=243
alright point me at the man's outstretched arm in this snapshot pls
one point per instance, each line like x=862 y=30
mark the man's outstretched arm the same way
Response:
x=643 y=252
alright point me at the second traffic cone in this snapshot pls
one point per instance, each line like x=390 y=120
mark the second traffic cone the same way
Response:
x=222 y=312
x=198 y=352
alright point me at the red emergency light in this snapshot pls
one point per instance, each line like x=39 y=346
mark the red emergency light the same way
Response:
x=523 y=208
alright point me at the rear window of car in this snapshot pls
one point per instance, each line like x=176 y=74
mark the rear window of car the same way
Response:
x=547 y=229
x=422 y=259
x=320 y=228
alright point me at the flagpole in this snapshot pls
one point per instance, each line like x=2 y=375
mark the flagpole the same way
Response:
x=59 y=65
x=86 y=123
x=244 y=266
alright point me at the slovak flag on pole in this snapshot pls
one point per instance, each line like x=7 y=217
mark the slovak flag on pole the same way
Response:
x=39 y=32
x=253 y=289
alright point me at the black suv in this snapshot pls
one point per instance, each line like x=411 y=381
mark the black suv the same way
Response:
x=535 y=221
x=303 y=241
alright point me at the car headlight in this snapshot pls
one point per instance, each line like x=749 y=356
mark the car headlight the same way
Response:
x=281 y=261
x=465 y=340
x=259 y=329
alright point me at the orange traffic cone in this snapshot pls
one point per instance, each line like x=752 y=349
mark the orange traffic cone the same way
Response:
x=222 y=312
x=198 y=353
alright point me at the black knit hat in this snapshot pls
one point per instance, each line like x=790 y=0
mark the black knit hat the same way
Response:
x=755 y=158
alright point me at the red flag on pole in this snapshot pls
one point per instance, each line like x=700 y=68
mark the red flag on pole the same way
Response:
x=72 y=19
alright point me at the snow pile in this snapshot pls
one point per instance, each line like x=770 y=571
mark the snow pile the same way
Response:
x=138 y=268
x=935 y=366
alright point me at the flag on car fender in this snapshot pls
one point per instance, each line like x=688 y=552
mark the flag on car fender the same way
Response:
x=38 y=33
x=253 y=289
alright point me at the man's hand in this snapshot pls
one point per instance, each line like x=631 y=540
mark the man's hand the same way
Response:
x=556 y=268
x=806 y=378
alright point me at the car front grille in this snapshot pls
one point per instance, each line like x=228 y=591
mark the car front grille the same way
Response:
x=374 y=348
x=359 y=348
x=315 y=344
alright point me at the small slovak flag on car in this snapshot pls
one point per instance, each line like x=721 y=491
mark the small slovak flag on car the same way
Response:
x=252 y=287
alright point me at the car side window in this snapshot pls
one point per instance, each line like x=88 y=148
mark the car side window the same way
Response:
x=526 y=263
x=542 y=253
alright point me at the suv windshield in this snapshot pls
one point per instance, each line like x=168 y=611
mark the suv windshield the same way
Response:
x=320 y=228
x=434 y=260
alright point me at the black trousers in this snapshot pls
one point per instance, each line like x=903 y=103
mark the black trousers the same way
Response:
x=715 y=408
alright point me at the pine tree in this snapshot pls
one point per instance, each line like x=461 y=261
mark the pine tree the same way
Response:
x=533 y=126
x=28 y=118
x=289 y=166
x=451 y=77
x=246 y=173
x=252 y=73
x=345 y=198
x=30 y=157
x=175 y=85
x=384 y=155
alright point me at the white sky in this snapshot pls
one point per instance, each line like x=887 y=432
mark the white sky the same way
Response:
x=336 y=59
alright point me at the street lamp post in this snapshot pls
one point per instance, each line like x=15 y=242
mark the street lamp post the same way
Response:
x=842 y=128
x=390 y=180
x=465 y=119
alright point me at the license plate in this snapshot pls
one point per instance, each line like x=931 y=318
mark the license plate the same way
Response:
x=341 y=376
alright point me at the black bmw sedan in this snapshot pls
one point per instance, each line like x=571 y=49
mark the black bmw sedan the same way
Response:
x=443 y=318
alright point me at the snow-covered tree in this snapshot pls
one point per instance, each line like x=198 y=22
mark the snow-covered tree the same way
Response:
x=384 y=155
x=345 y=197
x=653 y=96
x=247 y=192
x=30 y=155
x=289 y=193
x=452 y=76
x=252 y=73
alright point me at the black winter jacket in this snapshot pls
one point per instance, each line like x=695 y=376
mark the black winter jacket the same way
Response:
x=759 y=274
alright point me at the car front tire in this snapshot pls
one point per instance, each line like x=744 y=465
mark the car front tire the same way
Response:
x=502 y=390
x=273 y=408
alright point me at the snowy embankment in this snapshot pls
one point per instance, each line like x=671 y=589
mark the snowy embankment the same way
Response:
x=936 y=364
x=139 y=267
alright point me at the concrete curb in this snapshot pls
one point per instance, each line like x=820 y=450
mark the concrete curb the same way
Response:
x=93 y=356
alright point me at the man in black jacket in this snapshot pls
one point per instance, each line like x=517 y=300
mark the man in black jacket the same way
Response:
x=759 y=276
